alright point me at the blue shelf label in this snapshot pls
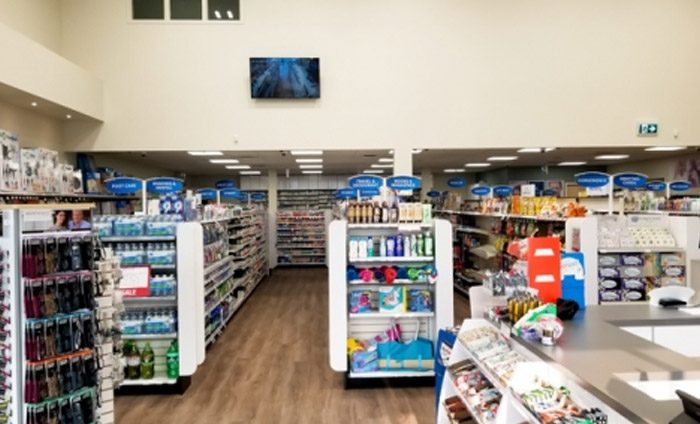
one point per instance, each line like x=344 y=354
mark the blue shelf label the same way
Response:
x=433 y=193
x=592 y=179
x=680 y=186
x=630 y=180
x=164 y=185
x=365 y=181
x=503 y=191
x=221 y=184
x=481 y=190
x=403 y=182
x=231 y=193
x=207 y=193
x=656 y=186
x=369 y=192
x=124 y=185
x=258 y=196
x=457 y=182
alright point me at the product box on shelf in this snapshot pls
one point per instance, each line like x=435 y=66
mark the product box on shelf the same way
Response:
x=610 y=295
x=608 y=260
x=392 y=299
x=31 y=178
x=11 y=162
x=50 y=171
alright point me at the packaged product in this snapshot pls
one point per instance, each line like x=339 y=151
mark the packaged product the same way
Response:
x=610 y=295
x=610 y=283
x=633 y=284
x=608 y=272
x=673 y=271
x=632 y=259
x=631 y=272
x=31 y=180
x=361 y=301
x=11 y=162
x=672 y=281
x=392 y=299
x=633 y=295
x=672 y=259
x=420 y=300
x=608 y=260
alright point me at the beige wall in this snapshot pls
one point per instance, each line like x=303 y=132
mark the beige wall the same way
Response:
x=681 y=167
x=33 y=129
x=131 y=169
x=39 y=20
x=440 y=73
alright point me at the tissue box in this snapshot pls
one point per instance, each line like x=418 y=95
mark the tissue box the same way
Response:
x=31 y=179
x=608 y=272
x=672 y=281
x=633 y=284
x=610 y=295
x=673 y=271
x=610 y=283
x=672 y=259
x=632 y=259
x=631 y=272
x=633 y=295
x=608 y=260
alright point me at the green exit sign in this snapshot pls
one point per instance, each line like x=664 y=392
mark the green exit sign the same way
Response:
x=648 y=129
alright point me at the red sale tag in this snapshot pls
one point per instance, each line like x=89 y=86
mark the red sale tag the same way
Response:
x=136 y=281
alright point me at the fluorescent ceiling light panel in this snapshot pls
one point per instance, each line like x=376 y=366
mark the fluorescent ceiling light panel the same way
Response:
x=549 y=149
x=665 y=148
x=612 y=157
x=386 y=160
x=373 y=171
x=249 y=172
x=309 y=160
x=310 y=166
x=238 y=167
x=501 y=158
x=454 y=170
x=312 y=172
x=416 y=151
x=572 y=163
x=530 y=150
x=223 y=161
x=205 y=153
x=229 y=14
x=477 y=164
x=306 y=152
x=381 y=165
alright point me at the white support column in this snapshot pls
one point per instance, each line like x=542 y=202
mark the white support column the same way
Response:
x=426 y=183
x=403 y=161
x=272 y=219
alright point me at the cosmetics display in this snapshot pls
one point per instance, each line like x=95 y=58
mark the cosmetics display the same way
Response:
x=374 y=212
x=305 y=199
x=301 y=237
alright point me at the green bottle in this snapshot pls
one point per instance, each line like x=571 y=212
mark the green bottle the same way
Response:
x=133 y=360
x=147 y=362
x=172 y=360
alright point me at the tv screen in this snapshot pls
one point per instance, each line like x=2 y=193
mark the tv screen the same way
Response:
x=284 y=78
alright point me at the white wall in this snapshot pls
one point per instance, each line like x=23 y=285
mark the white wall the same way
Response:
x=33 y=129
x=440 y=73
x=39 y=20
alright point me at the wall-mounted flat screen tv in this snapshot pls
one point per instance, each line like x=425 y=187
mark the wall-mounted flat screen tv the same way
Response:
x=284 y=78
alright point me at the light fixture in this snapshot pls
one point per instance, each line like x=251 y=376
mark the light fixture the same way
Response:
x=501 y=158
x=229 y=14
x=312 y=172
x=217 y=14
x=238 y=167
x=223 y=161
x=205 y=153
x=381 y=165
x=665 y=148
x=530 y=150
x=477 y=164
x=373 y=171
x=306 y=160
x=549 y=149
x=572 y=163
x=416 y=151
x=612 y=157
x=454 y=170
x=386 y=160
x=249 y=173
x=391 y=152
x=310 y=166
x=35 y=104
x=306 y=152
x=68 y=116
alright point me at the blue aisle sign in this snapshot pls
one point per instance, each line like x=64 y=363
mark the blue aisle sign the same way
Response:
x=164 y=185
x=207 y=193
x=123 y=185
x=369 y=192
x=403 y=182
x=592 y=179
x=481 y=190
x=680 y=185
x=231 y=193
x=630 y=180
x=656 y=186
x=457 y=182
x=503 y=191
x=365 y=181
x=433 y=193
x=346 y=193
x=221 y=184
x=258 y=196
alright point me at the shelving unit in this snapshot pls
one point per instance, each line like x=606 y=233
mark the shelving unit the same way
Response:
x=301 y=237
x=306 y=199
x=344 y=324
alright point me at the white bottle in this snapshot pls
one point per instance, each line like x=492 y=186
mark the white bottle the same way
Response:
x=362 y=248
x=354 y=249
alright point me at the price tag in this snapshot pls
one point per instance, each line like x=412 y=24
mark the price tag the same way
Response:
x=136 y=281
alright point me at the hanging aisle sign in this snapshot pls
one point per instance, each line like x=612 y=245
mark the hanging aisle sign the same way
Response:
x=346 y=193
x=656 y=186
x=433 y=193
x=630 y=180
x=403 y=182
x=369 y=192
x=222 y=184
x=503 y=191
x=230 y=193
x=457 y=182
x=258 y=196
x=365 y=181
x=680 y=185
x=124 y=185
x=592 y=179
x=164 y=185
x=481 y=190
x=207 y=193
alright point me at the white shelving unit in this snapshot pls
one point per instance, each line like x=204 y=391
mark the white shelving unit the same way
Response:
x=301 y=237
x=343 y=324
x=314 y=199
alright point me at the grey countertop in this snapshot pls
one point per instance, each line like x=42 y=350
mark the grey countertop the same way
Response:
x=593 y=349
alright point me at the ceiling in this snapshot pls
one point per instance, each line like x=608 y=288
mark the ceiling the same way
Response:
x=353 y=161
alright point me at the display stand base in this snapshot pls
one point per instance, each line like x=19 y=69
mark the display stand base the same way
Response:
x=374 y=383
x=178 y=388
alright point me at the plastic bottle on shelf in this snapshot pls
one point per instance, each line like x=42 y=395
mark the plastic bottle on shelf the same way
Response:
x=428 y=244
x=391 y=246
x=382 y=246
x=147 y=362
x=172 y=360
x=385 y=213
x=414 y=246
x=420 y=247
x=377 y=218
x=399 y=248
x=370 y=247
x=133 y=360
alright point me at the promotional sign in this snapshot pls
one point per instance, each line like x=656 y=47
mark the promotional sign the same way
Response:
x=481 y=190
x=680 y=185
x=630 y=180
x=258 y=196
x=365 y=181
x=221 y=184
x=230 y=193
x=656 y=186
x=528 y=190
x=164 y=185
x=346 y=193
x=433 y=193
x=503 y=191
x=207 y=193
x=403 y=182
x=457 y=182
x=592 y=179
x=135 y=281
x=123 y=185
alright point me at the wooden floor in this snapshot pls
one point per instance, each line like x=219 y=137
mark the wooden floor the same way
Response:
x=271 y=366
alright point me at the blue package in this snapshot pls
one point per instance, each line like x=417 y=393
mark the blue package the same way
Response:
x=360 y=301
x=399 y=245
x=390 y=246
x=420 y=300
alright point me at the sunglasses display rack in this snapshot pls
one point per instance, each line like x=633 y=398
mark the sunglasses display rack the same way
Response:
x=374 y=286
x=301 y=237
x=161 y=316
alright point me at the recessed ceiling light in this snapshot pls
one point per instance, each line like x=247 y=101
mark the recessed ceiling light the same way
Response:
x=477 y=164
x=612 y=157
x=238 y=167
x=386 y=160
x=217 y=14
x=249 y=172
x=391 y=152
x=205 y=153
x=229 y=14
x=68 y=116
x=665 y=148
x=309 y=160
x=571 y=163
x=530 y=150
x=502 y=158
x=373 y=171
x=310 y=166
x=35 y=104
x=223 y=161
x=454 y=170
x=381 y=165
x=312 y=172
x=549 y=149
x=306 y=152
x=416 y=151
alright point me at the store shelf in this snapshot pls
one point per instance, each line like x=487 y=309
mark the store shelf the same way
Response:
x=503 y=216
x=236 y=285
x=150 y=300
x=163 y=268
x=157 y=381
x=641 y=250
x=215 y=220
x=75 y=196
x=392 y=259
x=210 y=286
x=143 y=239
x=149 y=336
x=393 y=315
x=473 y=412
x=391 y=374
x=472 y=230
x=208 y=269
x=397 y=282
x=404 y=226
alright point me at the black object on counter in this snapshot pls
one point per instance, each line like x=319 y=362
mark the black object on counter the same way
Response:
x=566 y=309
